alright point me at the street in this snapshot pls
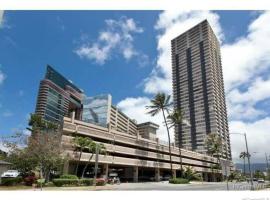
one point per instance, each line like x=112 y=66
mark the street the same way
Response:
x=153 y=186
x=182 y=187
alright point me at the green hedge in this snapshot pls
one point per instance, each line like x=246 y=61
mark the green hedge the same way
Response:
x=178 y=181
x=59 y=182
x=86 y=181
x=68 y=176
x=11 y=181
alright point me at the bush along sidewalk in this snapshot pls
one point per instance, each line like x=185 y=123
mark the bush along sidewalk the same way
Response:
x=73 y=180
x=178 y=181
x=11 y=181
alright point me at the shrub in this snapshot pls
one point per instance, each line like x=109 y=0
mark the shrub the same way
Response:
x=100 y=181
x=29 y=180
x=86 y=181
x=178 y=181
x=59 y=182
x=11 y=181
x=49 y=184
x=40 y=182
x=68 y=176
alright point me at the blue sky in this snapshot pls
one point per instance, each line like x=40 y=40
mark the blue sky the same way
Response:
x=69 y=41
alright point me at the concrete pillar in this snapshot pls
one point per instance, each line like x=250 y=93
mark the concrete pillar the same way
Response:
x=205 y=177
x=106 y=170
x=135 y=174
x=174 y=173
x=214 y=177
x=157 y=174
x=72 y=117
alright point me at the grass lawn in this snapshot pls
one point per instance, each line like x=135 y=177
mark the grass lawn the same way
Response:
x=17 y=187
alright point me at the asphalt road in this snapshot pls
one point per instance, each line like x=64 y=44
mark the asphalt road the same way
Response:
x=183 y=187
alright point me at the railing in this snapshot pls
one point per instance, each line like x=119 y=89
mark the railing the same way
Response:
x=241 y=186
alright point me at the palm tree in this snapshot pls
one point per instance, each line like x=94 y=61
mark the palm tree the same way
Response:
x=161 y=102
x=213 y=145
x=175 y=119
x=244 y=155
x=93 y=147
x=80 y=143
x=191 y=174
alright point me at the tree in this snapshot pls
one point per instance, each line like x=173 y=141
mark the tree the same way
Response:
x=161 y=103
x=80 y=143
x=235 y=175
x=213 y=143
x=41 y=151
x=46 y=150
x=258 y=174
x=175 y=119
x=3 y=155
x=44 y=145
x=17 y=153
x=244 y=155
x=191 y=174
x=91 y=148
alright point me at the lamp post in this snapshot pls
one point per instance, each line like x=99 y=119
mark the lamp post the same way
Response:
x=267 y=167
x=248 y=156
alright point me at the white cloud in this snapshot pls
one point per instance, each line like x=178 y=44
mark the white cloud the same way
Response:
x=117 y=38
x=242 y=104
x=1 y=18
x=21 y=93
x=143 y=60
x=3 y=21
x=7 y=113
x=26 y=132
x=246 y=64
x=248 y=56
x=2 y=146
x=2 y=77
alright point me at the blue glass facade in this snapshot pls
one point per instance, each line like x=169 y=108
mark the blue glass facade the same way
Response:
x=55 y=106
x=95 y=109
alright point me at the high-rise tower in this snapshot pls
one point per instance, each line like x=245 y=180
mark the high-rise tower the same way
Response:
x=198 y=88
x=58 y=97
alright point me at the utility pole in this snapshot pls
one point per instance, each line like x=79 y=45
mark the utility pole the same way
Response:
x=267 y=166
x=248 y=156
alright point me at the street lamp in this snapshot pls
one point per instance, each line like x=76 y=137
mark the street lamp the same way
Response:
x=267 y=167
x=248 y=156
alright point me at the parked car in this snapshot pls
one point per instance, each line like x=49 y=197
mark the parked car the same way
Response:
x=113 y=178
x=154 y=178
x=10 y=174
x=261 y=180
x=166 y=177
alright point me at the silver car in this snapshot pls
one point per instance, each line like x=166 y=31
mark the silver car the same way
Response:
x=10 y=174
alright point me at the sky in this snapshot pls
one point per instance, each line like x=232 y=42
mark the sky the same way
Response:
x=127 y=54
